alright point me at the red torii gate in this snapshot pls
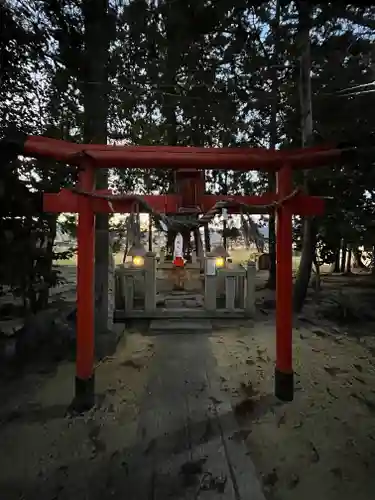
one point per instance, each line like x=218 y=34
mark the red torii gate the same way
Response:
x=90 y=157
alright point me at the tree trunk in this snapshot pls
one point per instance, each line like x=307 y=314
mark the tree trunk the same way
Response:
x=225 y=222
x=308 y=243
x=225 y=242
x=47 y=262
x=357 y=254
x=336 y=264
x=349 y=261
x=171 y=235
x=343 y=256
x=317 y=284
x=149 y=233
x=271 y=283
x=207 y=242
x=198 y=244
x=169 y=103
x=95 y=92
x=186 y=235
x=305 y=266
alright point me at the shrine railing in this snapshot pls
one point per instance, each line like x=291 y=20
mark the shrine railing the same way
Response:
x=239 y=291
x=226 y=293
x=126 y=279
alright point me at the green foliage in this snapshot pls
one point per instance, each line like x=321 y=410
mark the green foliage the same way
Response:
x=184 y=72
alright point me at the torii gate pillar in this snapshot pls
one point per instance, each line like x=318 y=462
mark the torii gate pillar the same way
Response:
x=284 y=384
x=85 y=383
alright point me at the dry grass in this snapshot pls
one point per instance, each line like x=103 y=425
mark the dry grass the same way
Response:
x=241 y=255
x=73 y=261
x=238 y=256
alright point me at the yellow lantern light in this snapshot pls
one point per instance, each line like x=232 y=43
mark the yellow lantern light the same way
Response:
x=220 y=262
x=137 y=254
x=220 y=255
x=138 y=261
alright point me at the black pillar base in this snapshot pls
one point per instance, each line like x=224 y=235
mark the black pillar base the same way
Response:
x=84 y=398
x=284 y=385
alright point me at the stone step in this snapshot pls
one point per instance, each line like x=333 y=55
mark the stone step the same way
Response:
x=181 y=295
x=167 y=326
x=176 y=304
x=178 y=313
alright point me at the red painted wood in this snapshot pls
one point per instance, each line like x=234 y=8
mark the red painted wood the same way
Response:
x=107 y=156
x=189 y=184
x=284 y=284
x=209 y=159
x=85 y=278
x=46 y=145
x=67 y=201
x=190 y=158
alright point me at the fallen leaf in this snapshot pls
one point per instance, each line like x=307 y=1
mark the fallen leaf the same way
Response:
x=271 y=478
x=361 y=380
x=315 y=455
x=132 y=364
x=215 y=400
x=193 y=467
x=241 y=435
x=244 y=408
x=367 y=402
x=281 y=420
x=294 y=481
x=151 y=445
x=248 y=389
x=320 y=333
x=337 y=472
x=334 y=370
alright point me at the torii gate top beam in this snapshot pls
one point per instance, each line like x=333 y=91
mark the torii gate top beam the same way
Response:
x=197 y=158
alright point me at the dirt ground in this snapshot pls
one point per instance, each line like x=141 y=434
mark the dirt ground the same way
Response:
x=48 y=454
x=320 y=445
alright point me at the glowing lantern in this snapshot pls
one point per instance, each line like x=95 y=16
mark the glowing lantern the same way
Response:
x=220 y=262
x=137 y=253
x=220 y=255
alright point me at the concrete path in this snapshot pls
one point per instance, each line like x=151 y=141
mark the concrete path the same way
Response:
x=187 y=433
x=174 y=326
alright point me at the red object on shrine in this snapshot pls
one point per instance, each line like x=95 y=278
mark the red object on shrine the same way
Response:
x=178 y=262
x=193 y=159
x=67 y=201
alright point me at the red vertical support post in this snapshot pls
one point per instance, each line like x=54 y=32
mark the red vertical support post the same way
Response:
x=85 y=384
x=284 y=386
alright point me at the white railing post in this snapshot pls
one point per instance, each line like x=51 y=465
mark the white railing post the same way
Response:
x=210 y=283
x=250 y=289
x=128 y=292
x=150 y=282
